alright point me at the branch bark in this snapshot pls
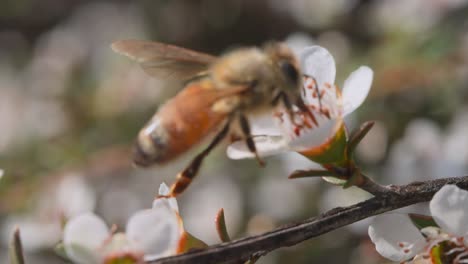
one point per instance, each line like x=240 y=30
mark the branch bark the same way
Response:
x=238 y=251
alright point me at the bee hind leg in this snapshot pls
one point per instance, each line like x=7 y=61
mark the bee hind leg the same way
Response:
x=185 y=177
x=245 y=126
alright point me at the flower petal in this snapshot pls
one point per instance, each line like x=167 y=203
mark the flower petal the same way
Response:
x=315 y=137
x=449 y=207
x=266 y=146
x=164 y=190
x=356 y=88
x=35 y=234
x=82 y=236
x=318 y=63
x=119 y=249
x=156 y=231
x=264 y=124
x=75 y=196
x=395 y=237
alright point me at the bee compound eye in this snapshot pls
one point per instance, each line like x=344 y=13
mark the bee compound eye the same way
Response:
x=290 y=72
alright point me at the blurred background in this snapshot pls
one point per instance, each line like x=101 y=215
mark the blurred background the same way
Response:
x=70 y=108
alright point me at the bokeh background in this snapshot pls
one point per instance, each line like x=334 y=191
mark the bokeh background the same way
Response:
x=70 y=108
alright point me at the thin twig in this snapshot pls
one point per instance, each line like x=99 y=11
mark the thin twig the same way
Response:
x=369 y=185
x=238 y=251
x=16 y=255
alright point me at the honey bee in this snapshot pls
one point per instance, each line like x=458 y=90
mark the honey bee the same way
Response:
x=218 y=92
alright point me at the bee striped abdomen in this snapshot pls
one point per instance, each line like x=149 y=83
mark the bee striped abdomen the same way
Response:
x=181 y=123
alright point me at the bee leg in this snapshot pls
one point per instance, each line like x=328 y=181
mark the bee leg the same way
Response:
x=306 y=110
x=185 y=177
x=277 y=98
x=289 y=108
x=282 y=97
x=244 y=123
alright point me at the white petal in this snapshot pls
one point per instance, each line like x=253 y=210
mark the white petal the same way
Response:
x=74 y=196
x=164 y=190
x=35 y=234
x=82 y=237
x=421 y=259
x=317 y=62
x=292 y=161
x=356 y=88
x=156 y=231
x=264 y=124
x=315 y=137
x=266 y=146
x=395 y=237
x=169 y=203
x=449 y=207
x=118 y=244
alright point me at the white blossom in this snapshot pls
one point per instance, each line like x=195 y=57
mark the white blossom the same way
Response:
x=150 y=234
x=328 y=105
x=398 y=239
x=42 y=228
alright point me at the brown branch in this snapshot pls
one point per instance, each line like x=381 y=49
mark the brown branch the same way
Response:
x=369 y=185
x=240 y=250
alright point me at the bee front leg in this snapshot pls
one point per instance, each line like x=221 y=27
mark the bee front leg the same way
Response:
x=282 y=97
x=245 y=126
x=185 y=177
x=292 y=114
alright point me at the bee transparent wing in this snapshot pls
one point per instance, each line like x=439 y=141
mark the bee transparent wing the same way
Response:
x=163 y=60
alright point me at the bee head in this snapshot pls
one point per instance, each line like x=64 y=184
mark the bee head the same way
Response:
x=286 y=63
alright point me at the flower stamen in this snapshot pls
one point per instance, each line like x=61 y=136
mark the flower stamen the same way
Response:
x=458 y=259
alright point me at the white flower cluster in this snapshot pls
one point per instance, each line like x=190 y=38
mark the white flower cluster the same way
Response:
x=150 y=234
x=398 y=239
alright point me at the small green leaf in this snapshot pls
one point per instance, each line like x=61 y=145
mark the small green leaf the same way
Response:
x=358 y=135
x=221 y=226
x=59 y=249
x=333 y=150
x=422 y=221
x=84 y=253
x=355 y=179
x=188 y=242
x=334 y=180
x=310 y=173
x=15 y=250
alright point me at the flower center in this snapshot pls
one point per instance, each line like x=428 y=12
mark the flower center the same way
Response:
x=324 y=103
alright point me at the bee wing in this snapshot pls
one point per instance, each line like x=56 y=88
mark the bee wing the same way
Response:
x=163 y=60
